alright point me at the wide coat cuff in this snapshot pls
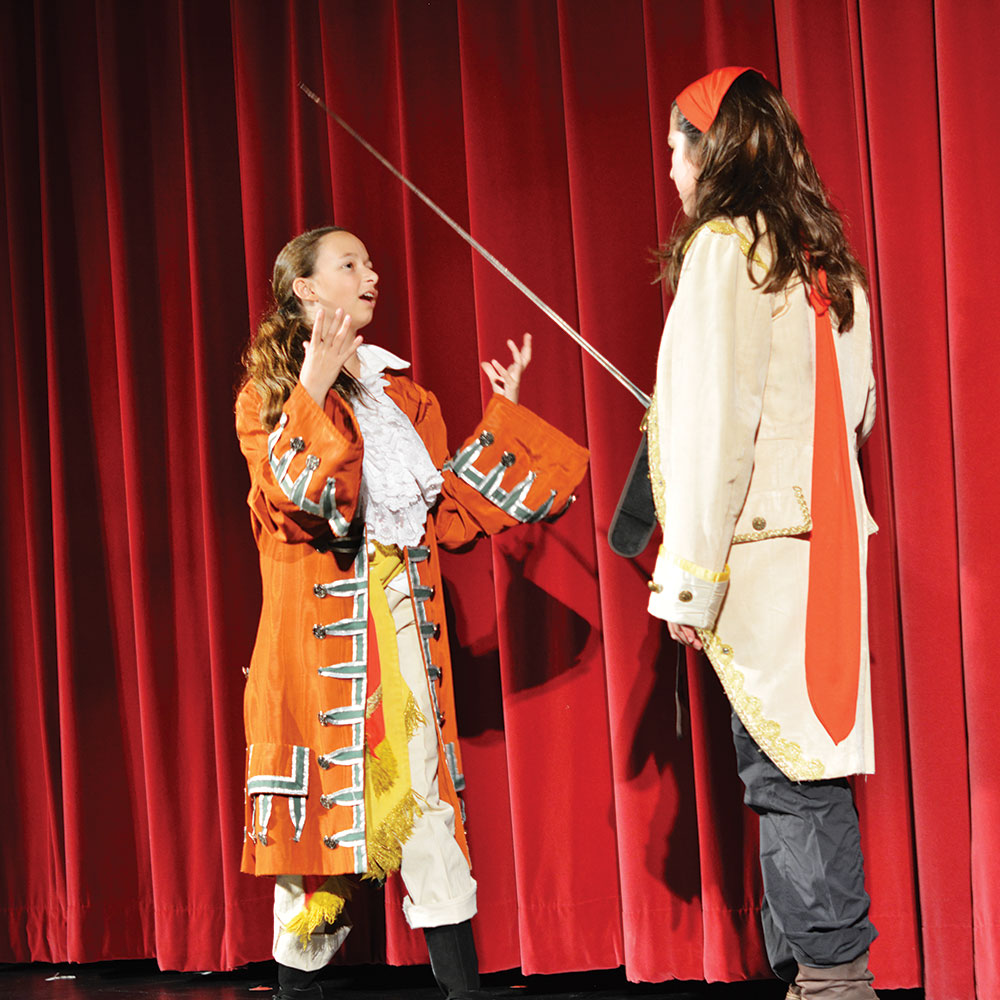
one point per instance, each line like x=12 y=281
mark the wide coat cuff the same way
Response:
x=522 y=465
x=305 y=472
x=685 y=593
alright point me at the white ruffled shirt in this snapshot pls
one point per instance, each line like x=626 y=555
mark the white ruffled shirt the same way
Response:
x=399 y=482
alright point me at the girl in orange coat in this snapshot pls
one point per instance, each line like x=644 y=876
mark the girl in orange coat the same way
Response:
x=353 y=764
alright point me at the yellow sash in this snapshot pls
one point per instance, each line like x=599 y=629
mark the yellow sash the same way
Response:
x=390 y=803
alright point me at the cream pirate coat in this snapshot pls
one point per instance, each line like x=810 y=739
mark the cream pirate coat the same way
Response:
x=730 y=450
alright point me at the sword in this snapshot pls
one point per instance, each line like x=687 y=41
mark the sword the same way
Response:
x=483 y=252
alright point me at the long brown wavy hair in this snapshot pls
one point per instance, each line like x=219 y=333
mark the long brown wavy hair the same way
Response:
x=753 y=164
x=273 y=358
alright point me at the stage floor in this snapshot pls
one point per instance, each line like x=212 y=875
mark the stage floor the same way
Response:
x=143 y=981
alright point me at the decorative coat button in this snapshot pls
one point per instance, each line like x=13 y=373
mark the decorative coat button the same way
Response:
x=319 y=590
x=486 y=439
x=297 y=444
x=759 y=523
x=312 y=463
x=319 y=631
x=324 y=763
x=437 y=630
x=323 y=720
x=326 y=801
x=685 y=596
x=507 y=459
x=331 y=842
x=656 y=588
x=262 y=838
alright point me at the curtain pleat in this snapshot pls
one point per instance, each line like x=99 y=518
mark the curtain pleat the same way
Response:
x=965 y=41
x=155 y=158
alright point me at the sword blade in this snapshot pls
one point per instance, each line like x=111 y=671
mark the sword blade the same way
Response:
x=483 y=252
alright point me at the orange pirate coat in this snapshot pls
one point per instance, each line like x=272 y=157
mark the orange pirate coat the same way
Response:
x=307 y=685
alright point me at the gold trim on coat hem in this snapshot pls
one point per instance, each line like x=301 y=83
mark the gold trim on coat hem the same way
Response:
x=786 y=754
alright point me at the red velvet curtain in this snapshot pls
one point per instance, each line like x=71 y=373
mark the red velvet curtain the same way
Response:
x=154 y=159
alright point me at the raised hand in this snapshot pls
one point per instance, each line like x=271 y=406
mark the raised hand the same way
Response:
x=332 y=343
x=507 y=381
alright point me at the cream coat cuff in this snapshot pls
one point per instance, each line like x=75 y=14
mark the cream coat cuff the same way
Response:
x=685 y=593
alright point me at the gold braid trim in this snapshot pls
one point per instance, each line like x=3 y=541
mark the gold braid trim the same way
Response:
x=374 y=700
x=798 y=529
x=385 y=845
x=655 y=472
x=413 y=718
x=323 y=907
x=786 y=754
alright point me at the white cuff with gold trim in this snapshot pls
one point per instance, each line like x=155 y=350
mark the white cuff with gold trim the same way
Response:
x=686 y=593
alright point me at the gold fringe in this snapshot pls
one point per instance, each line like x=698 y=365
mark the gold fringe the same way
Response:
x=324 y=907
x=413 y=718
x=385 y=845
x=374 y=700
x=381 y=770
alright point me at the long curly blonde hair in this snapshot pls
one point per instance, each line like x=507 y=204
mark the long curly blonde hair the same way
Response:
x=273 y=358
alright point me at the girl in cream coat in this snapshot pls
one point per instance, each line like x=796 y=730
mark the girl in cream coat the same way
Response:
x=732 y=468
x=764 y=392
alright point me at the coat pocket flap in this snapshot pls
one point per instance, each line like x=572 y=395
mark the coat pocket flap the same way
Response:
x=277 y=769
x=773 y=514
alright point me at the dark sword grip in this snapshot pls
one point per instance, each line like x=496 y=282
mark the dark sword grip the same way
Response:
x=635 y=516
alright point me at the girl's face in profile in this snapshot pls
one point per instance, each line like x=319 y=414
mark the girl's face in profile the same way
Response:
x=342 y=278
x=683 y=172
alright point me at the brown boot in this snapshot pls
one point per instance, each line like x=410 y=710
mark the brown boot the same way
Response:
x=851 y=981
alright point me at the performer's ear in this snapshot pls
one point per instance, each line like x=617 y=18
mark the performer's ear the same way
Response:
x=303 y=290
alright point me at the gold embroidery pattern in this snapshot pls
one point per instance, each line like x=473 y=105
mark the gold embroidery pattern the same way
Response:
x=655 y=470
x=786 y=754
x=799 y=529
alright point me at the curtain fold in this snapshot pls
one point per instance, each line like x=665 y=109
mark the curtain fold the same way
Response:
x=154 y=160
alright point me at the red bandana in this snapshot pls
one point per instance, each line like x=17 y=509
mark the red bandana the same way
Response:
x=699 y=102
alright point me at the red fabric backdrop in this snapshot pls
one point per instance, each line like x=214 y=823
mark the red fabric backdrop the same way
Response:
x=154 y=158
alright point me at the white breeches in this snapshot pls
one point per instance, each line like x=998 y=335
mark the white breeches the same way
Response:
x=440 y=889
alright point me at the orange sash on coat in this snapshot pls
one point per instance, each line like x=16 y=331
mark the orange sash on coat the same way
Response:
x=833 y=613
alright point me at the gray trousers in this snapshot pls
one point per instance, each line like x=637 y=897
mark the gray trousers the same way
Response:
x=815 y=909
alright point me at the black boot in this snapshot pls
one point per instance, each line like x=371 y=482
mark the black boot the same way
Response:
x=294 y=984
x=453 y=960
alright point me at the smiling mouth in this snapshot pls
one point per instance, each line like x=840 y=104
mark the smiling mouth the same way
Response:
x=369 y=297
